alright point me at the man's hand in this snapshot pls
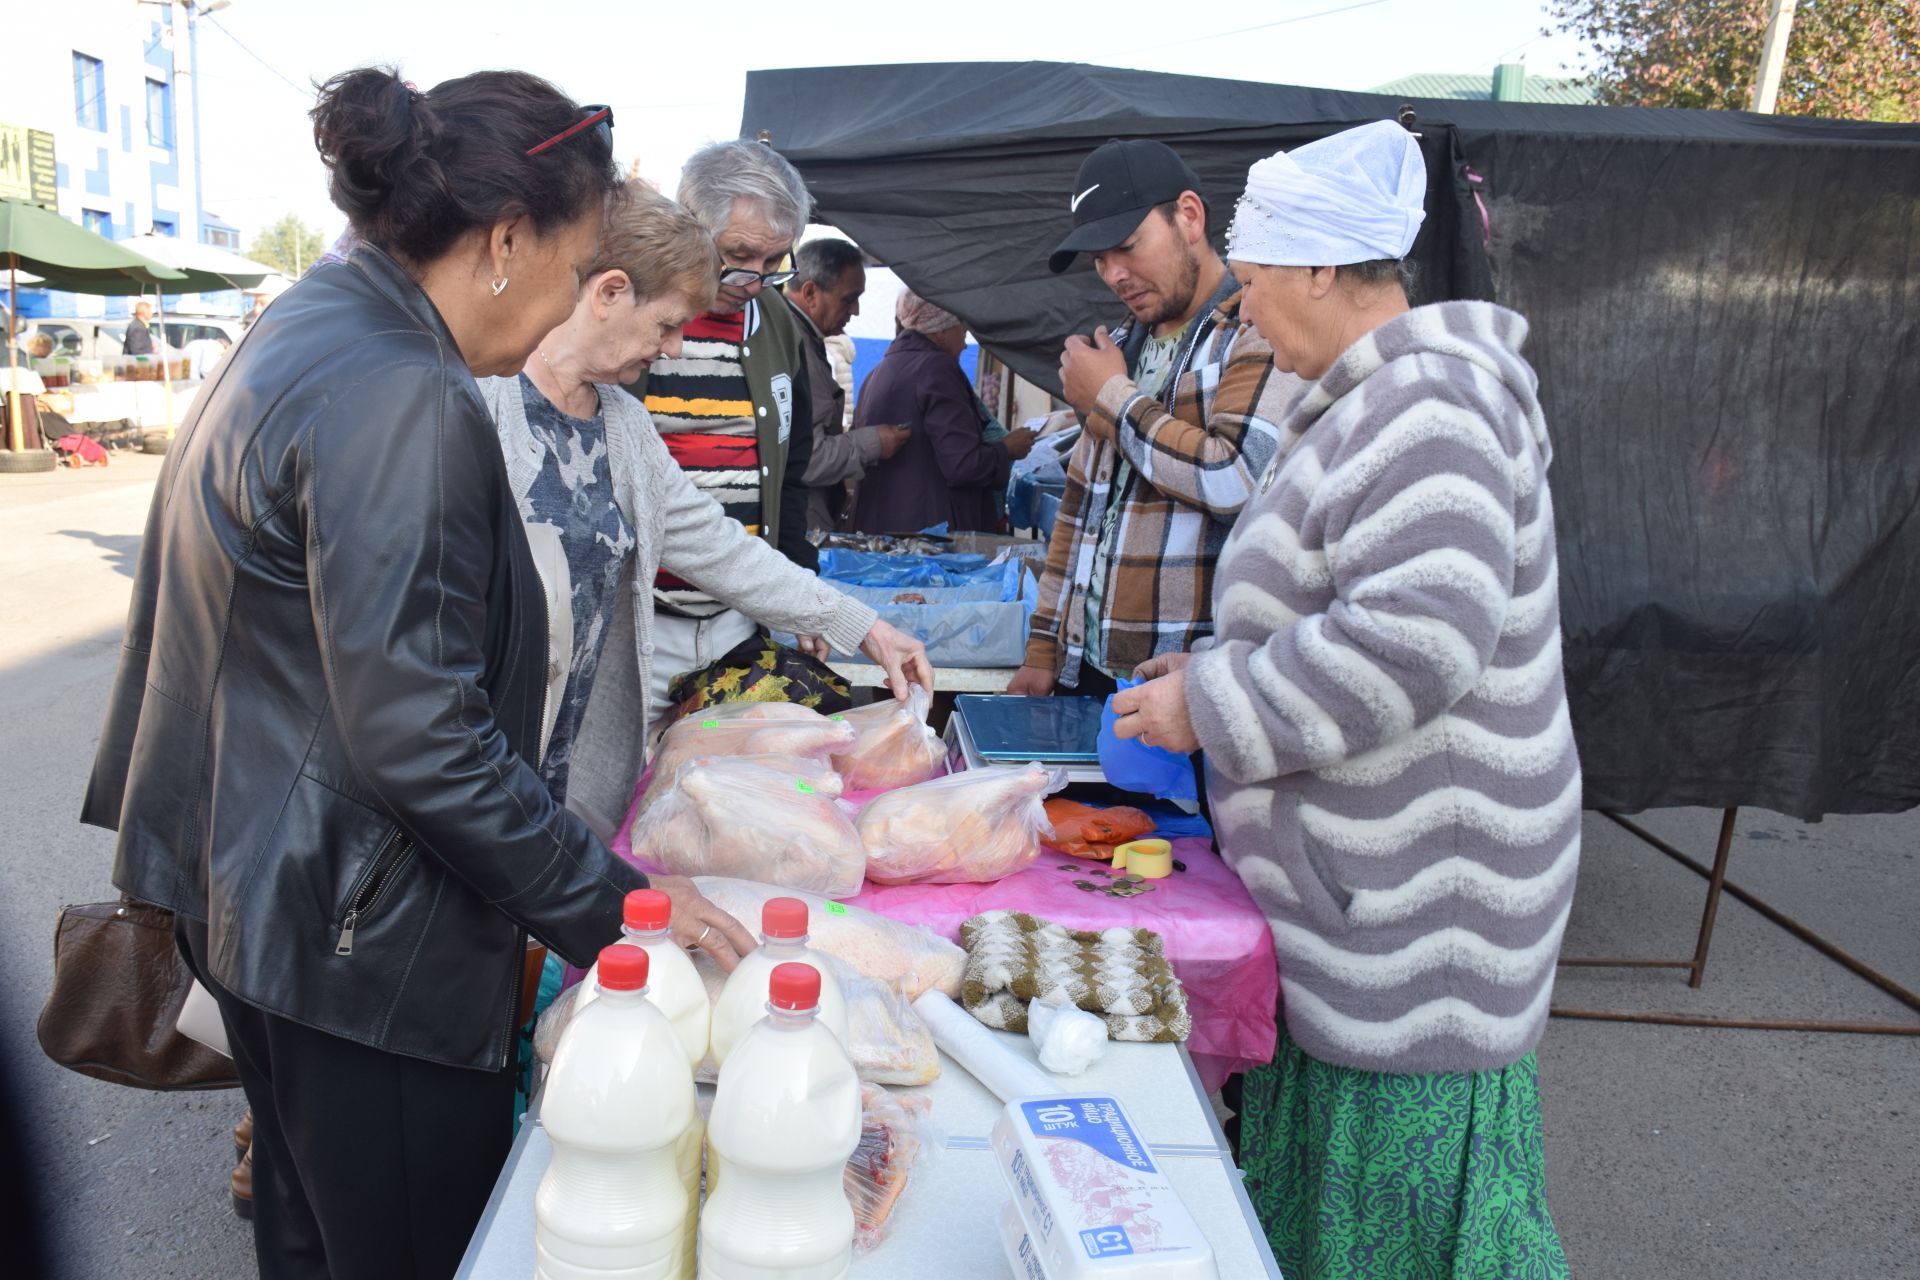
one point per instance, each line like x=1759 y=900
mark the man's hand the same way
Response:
x=1164 y=665
x=1086 y=365
x=698 y=925
x=1031 y=682
x=903 y=658
x=892 y=439
x=1018 y=443
x=1156 y=714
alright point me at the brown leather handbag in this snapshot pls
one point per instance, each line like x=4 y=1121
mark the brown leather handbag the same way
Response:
x=118 y=985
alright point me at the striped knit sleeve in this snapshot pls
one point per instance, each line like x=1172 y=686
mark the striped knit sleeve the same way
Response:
x=1412 y=526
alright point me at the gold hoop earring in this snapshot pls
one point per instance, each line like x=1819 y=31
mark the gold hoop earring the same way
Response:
x=499 y=286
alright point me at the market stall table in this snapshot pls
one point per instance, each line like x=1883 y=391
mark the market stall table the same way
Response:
x=943 y=1226
x=948 y=680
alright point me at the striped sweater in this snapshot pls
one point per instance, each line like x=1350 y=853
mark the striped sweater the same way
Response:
x=1392 y=770
x=704 y=411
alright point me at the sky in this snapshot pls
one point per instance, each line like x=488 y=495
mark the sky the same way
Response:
x=675 y=74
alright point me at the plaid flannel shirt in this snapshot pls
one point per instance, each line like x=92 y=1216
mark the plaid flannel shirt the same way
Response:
x=1195 y=461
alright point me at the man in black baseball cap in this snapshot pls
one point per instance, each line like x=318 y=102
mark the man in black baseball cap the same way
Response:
x=1180 y=406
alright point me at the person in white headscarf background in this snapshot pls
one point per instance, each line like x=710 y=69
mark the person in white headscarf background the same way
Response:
x=1388 y=752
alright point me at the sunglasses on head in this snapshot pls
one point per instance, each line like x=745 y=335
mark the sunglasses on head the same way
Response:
x=597 y=117
x=741 y=277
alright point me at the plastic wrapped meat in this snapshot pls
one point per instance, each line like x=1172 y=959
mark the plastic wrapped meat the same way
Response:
x=969 y=827
x=895 y=747
x=887 y=1042
x=770 y=818
x=904 y=956
x=755 y=729
x=894 y=1130
x=1086 y=831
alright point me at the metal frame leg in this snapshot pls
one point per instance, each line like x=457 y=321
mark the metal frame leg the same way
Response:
x=1717 y=883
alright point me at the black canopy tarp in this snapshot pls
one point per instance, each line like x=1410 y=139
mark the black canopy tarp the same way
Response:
x=1726 y=323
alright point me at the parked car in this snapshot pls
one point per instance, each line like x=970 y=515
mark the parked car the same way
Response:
x=190 y=329
x=79 y=337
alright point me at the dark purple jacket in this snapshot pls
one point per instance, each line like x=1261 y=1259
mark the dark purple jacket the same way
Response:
x=945 y=471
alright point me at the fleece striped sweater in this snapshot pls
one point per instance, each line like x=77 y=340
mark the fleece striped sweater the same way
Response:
x=1382 y=710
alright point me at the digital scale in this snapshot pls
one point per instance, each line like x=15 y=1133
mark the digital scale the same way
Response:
x=1062 y=731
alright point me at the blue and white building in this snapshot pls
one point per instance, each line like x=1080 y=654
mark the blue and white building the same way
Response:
x=113 y=82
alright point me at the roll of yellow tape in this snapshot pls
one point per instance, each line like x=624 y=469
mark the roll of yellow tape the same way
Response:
x=1148 y=859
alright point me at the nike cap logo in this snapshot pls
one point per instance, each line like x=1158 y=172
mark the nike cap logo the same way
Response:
x=1074 y=205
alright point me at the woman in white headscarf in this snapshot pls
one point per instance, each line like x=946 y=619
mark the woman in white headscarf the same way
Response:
x=1389 y=758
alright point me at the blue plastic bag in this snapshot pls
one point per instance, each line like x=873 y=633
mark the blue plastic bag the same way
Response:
x=1132 y=765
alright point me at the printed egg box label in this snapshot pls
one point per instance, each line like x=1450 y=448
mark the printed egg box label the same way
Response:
x=1092 y=1198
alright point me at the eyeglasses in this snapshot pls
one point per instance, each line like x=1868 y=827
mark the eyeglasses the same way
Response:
x=741 y=277
x=598 y=118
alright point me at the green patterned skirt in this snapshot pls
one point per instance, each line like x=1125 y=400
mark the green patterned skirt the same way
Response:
x=1399 y=1177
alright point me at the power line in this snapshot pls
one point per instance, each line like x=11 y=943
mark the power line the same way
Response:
x=1268 y=26
x=304 y=91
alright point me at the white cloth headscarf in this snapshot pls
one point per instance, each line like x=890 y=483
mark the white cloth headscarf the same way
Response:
x=1354 y=197
x=915 y=314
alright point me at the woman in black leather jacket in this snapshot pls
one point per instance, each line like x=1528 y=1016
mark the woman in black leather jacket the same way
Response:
x=320 y=746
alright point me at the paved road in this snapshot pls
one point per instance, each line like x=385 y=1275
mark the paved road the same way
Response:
x=1671 y=1152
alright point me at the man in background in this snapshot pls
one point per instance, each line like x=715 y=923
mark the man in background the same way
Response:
x=829 y=278
x=139 y=339
x=1180 y=405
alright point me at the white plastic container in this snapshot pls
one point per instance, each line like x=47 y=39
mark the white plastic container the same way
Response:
x=786 y=1118
x=674 y=986
x=743 y=1001
x=1094 y=1203
x=619 y=1100
x=1018 y=1245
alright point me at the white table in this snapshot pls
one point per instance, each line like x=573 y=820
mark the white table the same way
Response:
x=944 y=1225
x=867 y=675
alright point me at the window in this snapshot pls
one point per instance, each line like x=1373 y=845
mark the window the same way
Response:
x=89 y=92
x=96 y=221
x=161 y=228
x=222 y=238
x=159 y=113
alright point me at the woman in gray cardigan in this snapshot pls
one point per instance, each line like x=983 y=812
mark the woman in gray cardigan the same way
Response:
x=606 y=507
x=1388 y=753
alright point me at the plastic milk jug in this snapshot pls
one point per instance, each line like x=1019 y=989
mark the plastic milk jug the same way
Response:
x=674 y=986
x=786 y=1117
x=619 y=1098
x=743 y=1001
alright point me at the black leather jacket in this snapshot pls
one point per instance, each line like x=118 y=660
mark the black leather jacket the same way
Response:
x=332 y=683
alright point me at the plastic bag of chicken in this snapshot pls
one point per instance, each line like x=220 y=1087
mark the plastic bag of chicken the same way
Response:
x=909 y=956
x=969 y=827
x=745 y=729
x=895 y=748
x=768 y=818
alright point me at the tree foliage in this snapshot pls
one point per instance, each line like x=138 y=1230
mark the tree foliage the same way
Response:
x=289 y=246
x=1853 y=59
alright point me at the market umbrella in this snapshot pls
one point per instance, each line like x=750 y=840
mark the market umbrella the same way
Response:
x=67 y=257
x=207 y=269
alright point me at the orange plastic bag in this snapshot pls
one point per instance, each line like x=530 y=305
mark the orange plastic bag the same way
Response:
x=1085 y=831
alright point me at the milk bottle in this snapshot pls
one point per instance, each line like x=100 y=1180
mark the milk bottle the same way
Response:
x=674 y=986
x=743 y=1001
x=619 y=1098
x=786 y=1117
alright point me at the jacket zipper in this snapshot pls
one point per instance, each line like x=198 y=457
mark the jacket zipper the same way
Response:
x=386 y=863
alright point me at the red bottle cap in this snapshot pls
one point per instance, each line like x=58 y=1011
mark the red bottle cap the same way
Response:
x=648 y=909
x=784 y=918
x=794 y=986
x=624 y=968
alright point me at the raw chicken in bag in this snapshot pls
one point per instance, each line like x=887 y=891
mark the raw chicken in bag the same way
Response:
x=767 y=818
x=895 y=747
x=745 y=729
x=970 y=827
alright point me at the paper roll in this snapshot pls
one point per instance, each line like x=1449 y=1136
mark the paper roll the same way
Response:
x=960 y=1036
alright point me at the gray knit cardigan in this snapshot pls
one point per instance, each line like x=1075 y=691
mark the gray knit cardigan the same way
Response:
x=1382 y=708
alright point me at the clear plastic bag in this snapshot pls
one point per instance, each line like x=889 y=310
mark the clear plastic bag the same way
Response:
x=744 y=729
x=904 y=956
x=895 y=748
x=896 y=1134
x=771 y=818
x=980 y=825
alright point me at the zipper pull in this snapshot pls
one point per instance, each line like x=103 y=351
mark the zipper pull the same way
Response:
x=344 y=947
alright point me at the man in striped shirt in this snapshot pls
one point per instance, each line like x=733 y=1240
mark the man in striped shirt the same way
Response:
x=726 y=406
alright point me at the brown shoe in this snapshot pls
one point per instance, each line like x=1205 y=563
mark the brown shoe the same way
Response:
x=240 y=1186
x=243 y=1135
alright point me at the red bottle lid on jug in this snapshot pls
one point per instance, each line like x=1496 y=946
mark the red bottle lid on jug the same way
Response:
x=647 y=909
x=784 y=918
x=794 y=986
x=624 y=968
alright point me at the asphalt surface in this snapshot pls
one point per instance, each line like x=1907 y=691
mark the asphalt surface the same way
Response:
x=1671 y=1151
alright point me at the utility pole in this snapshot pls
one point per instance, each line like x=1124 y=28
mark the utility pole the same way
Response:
x=194 y=9
x=1773 y=57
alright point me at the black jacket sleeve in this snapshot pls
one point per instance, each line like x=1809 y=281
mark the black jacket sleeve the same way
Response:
x=793 y=483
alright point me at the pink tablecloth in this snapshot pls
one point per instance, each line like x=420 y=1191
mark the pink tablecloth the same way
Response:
x=1215 y=937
